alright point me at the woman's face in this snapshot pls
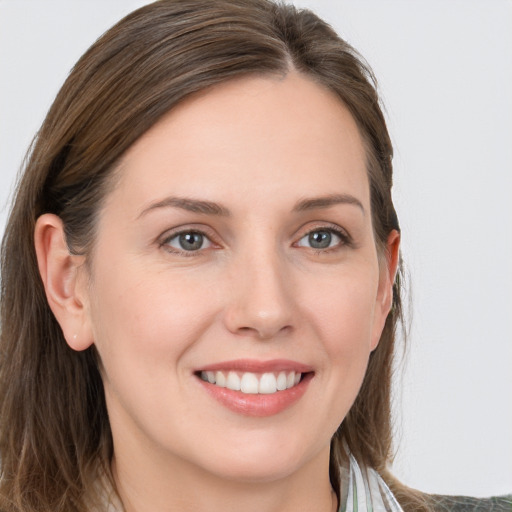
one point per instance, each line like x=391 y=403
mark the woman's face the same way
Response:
x=237 y=250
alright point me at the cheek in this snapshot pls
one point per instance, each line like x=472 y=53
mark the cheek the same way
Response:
x=340 y=310
x=343 y=312
x=343 y=317
x=142 y=323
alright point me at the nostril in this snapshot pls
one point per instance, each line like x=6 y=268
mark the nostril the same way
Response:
x=265 y=332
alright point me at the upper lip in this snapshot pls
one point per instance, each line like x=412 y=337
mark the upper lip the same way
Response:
x=258 y=366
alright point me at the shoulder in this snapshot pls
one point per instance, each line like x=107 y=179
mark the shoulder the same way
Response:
x=467 y=504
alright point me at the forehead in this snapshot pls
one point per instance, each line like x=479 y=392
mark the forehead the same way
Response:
x=255 y=135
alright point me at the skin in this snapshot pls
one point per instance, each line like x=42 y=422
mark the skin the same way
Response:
x=256 y=289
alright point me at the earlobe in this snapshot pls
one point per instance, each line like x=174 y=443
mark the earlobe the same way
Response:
x=388 y=270
x=63 y=281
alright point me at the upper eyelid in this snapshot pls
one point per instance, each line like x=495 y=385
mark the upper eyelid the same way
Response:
x=326 y=226
x=173 y=232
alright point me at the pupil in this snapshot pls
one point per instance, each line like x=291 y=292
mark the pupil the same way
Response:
x=191 y=241
x=320 y=239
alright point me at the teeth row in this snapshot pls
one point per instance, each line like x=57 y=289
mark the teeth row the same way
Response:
x=253 y=383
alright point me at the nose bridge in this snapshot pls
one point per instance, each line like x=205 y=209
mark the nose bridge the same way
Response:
x=261 y=302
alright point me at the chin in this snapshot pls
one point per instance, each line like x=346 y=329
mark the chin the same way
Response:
x=261 y=463
x=245 y=471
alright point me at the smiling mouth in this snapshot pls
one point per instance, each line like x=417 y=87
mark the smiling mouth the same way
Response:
x=256 y=388
x=251 y=383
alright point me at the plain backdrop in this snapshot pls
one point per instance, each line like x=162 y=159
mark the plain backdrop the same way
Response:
x=445 y=75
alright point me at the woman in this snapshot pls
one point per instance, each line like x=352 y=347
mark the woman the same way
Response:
x=199 y=275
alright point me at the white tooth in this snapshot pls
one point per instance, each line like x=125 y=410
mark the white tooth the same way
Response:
x=290 y=380
x=204 y=376
x=211 y=377
x=281 y=381
x=249 y=383
x=297 y=378
x=220 y=379
x=233 y=381
x=268 y=383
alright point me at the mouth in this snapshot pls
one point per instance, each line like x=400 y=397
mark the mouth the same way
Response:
x=255 y=388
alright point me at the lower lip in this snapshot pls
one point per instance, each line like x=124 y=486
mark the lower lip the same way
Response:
x=259 y=405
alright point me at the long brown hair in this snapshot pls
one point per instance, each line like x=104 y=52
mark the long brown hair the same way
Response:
x=54 y=428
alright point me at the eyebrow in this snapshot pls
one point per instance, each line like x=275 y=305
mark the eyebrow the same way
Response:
x=211 y=208
x=326 y=202
x=191 y=205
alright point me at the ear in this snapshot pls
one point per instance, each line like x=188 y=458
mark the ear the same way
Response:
x=387 y=274
x=65 y=281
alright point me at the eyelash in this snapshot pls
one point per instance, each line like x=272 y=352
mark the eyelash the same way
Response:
x=345 y=240
x=165 y=243
x=344 y=237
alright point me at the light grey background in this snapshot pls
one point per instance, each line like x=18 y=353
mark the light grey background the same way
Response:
x=445 y=73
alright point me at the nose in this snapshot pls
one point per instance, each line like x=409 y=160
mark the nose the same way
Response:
x=261 y=301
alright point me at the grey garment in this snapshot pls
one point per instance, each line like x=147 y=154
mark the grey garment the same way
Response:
x=467 y=504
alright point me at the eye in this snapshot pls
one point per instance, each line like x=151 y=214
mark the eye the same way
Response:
x=188 y=241
x=320 y=239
